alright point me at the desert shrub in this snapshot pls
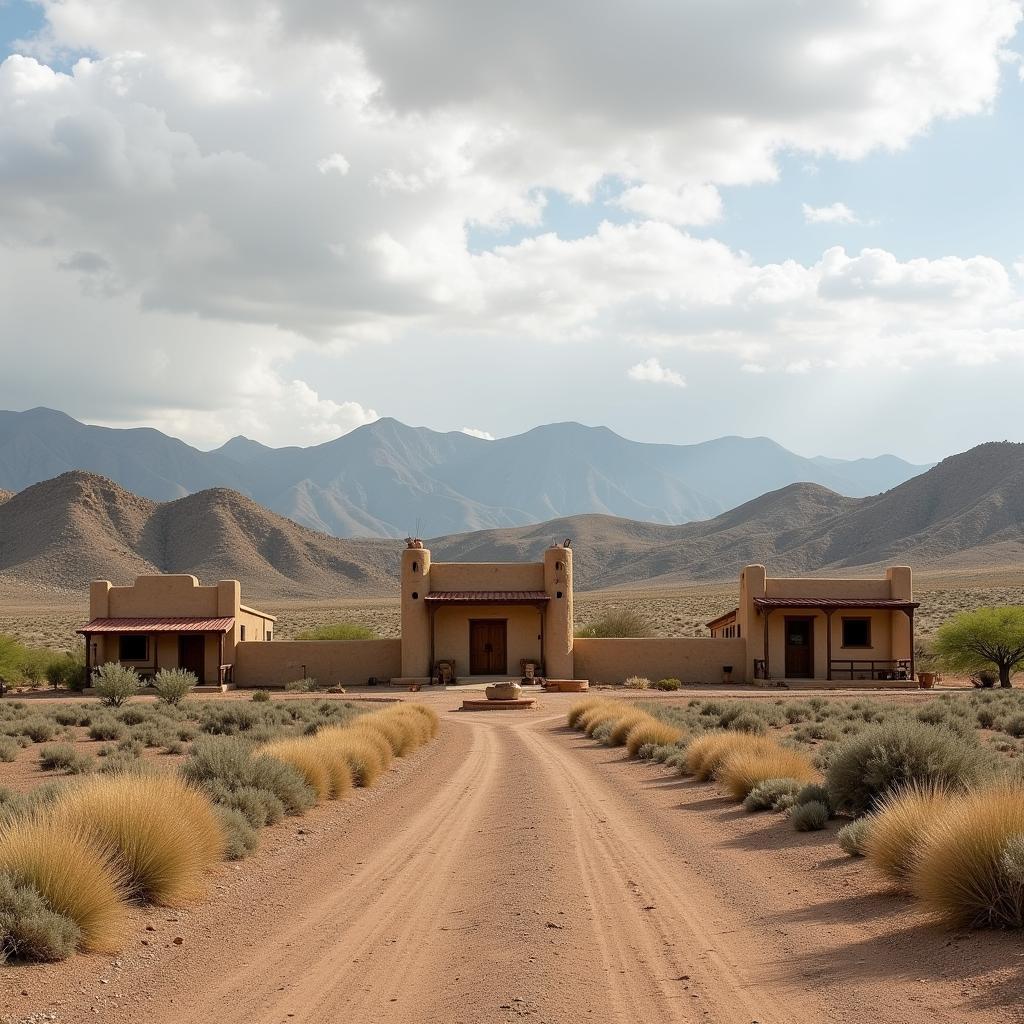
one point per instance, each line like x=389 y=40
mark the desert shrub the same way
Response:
x=970 y=865
x=663 y=752
x=898 y=754
x=71 y=872
x=107 y=728
x=986 y=718
x=338 y=631
x=620 y=726
x=115 y=684
x=29 y=929
x=984 y=679
x=429 y=715
x=229 y=763
x=669 y=684
x=173 y=685
x=706 y=753
x=37 y=729
x=67 y=670
x=797 y=711
x=766 y=795
x=259 y=806
x=300 y=755
x=8 y=749
x=597 y=716
x=1013 y=726
x=853 y=837
x=899 y=825
x=135 y=714
x=163 y=833
x=122 y=761
x=813 y=792
x=240 y=838
x=623 y=622
x=810 y=817
x=74 y=714
x=402 y=733
x=261 y=696
x=637 y=683
x=652 y=731
x=228 y=719
x=308 y=685
x=364 y=758
x=64 y=757
x=747 y=721
x=742 y=770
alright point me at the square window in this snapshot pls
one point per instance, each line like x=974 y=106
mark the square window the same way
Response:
x=132 y=647
x=856 y=632
x=242 y=632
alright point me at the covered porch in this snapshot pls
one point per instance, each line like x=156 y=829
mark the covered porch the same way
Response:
x=836 y=639
x=151 y=643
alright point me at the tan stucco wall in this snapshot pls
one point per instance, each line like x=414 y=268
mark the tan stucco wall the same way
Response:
x=881 y=638
x=451 y=632
x=348 y=662
x=809 y=587
x=693 y=660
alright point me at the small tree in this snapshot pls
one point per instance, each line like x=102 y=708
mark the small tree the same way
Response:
x=173 y=685
x=114 y=683
x=986 y=637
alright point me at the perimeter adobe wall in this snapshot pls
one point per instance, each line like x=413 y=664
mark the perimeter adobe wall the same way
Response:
x=343 y=662
x=690 y=659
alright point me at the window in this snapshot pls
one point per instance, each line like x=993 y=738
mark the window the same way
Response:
x=558 y=595
x=856 y=632
x=558 y=566
x=241 y=633
x=415 y=595
x=270 y=634
x=415 y=566
x=132 y=647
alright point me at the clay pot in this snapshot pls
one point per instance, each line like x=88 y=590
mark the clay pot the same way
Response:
x=504 y=691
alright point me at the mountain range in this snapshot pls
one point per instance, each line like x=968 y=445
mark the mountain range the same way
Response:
x=386 y=479
x=967 y=511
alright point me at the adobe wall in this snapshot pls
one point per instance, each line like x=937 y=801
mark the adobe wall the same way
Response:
x=152 y=596
x=881 y=638
x=690 y=659
x=451 y=633
x=486 y=576
x=870 y=589
x=348 y=662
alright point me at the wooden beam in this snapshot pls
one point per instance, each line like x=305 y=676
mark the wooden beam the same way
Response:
x=828 y=643
x=767 y=663
x=430 y=615
x=913 y=665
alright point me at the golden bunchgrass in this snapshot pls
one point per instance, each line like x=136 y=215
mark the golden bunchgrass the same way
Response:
x=969 y=867
x=653 y=731
x=620 y=729
x=596 y=717
x=580 y=707
x=305 y=758
x=743 y=769
x=429 y=715
x=369 y=732
x=74 y=874
x=362 y=753
x=161 y=831
x=899 y=826
x=705 y=754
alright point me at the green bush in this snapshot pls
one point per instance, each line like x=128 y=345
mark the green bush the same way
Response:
x=261 y=697
x=625 y=622
x=307 y=685
x=29 y=929
x=8 y=749
x=852 y=837
x=900 y=753
x=67 y=670
x=668 y=684
x=338 y=631
x=115 y=683
x=64 y=757
x=39 y=730
x=106 y=729
x=240 y=837
x=810 y=817
x=748 y=721
x=811 y=793
x=767 y=795
x=173 y=685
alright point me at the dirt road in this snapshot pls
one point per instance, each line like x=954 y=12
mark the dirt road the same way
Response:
x=513 y=870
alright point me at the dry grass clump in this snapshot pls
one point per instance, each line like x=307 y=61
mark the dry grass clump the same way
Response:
x=29 y=929
x=651 y=731
x=361 y=752
x=306 y=758
x=429 y=715
x=621 y=726
x=899 y=826
x=375 y=738
x=73 y=874
x=705 y=754
x=596 y=717
x=746 y=767
x=580 y=707
x=401 y=733
x=970 y=865
x=163 y=833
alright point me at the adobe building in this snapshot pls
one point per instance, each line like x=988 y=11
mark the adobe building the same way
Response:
x=497 y=620
x=171 y=622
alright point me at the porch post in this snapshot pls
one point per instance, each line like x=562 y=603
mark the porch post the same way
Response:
x=430 y=666
x=828 y=643
x=913 y=664
x=220 y=657
x=542 y=608
x=767 y=663
x=88 y=656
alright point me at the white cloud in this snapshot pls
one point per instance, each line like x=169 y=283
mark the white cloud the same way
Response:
x=482 y=434
x=335 y=162
x=799 y=366
x=837 y=213
x=652 y=372
x=687 y=204
x=752 y=368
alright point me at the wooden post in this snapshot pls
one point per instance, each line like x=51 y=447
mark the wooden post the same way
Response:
x=430 y=666
x=220 y=657
x=913 y=663
x=542 y=607
x=88 y=657
x=767 y=663
x=828 y=643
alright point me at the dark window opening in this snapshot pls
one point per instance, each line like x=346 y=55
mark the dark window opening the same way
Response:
x=558 y=594
x=415 y=595
x=133 y=647
x=856 y=632
x=242 y=633
x=270 y=634
x=415 y=566
x=558 y=566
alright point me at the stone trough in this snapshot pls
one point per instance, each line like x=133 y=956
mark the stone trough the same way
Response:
x=500 y=697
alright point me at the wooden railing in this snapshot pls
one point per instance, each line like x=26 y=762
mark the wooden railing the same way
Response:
x=867 y=668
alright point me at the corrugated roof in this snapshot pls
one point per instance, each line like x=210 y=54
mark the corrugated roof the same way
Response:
x=487 y=596
x=726 y=617
x=833 y=602
x=160 y=624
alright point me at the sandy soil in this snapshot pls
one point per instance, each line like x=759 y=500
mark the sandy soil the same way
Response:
x=514 y=869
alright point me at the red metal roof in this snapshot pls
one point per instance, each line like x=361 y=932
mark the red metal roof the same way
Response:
x=487 y=596
x=161 y=624
x=833 y=602
x=724 y=618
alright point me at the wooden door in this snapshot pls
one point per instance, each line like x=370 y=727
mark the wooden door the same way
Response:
x=799 y=648
x=487 y=647
x=192 y=654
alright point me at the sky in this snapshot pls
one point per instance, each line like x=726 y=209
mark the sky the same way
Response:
x=681 y=220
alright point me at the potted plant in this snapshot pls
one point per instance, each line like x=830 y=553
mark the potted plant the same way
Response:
x=727 y=674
